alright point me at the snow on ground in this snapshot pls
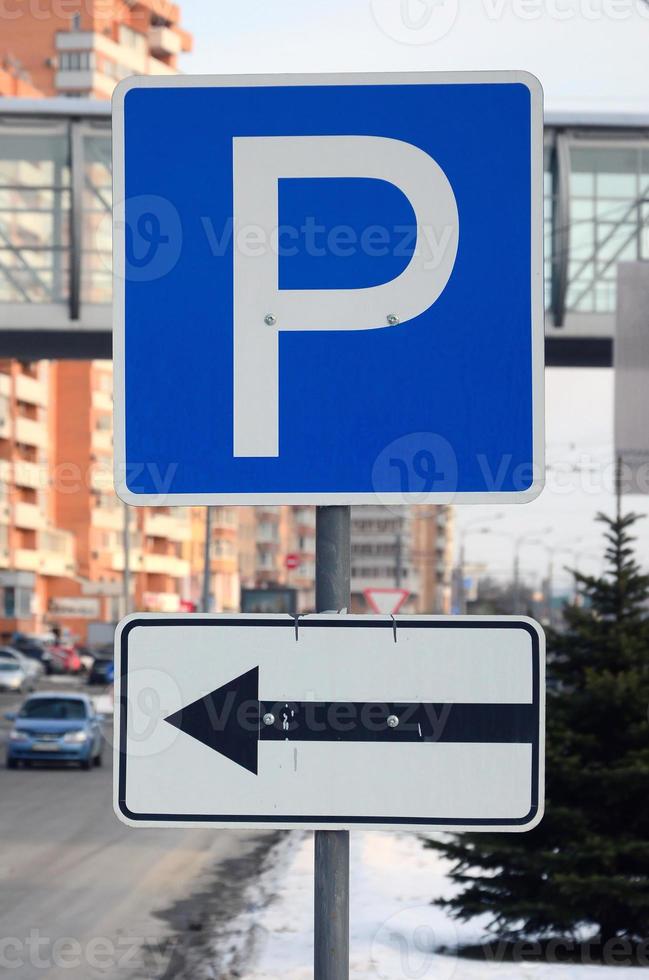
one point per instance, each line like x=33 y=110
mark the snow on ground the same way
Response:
x=394 y=928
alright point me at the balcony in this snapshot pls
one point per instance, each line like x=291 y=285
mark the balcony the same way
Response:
x=32 y=475
x=102 y=401
x=56 y=565
x=29 y=516
x=224 y=519
x=31 y=433
x=57 y=562
x=224 y=564
x=163 y=42
x=101 y=479
x=157 y=67
x=305 y=517
x=89 y=41
x=108 y=519
x=30 y=390
x=167 y=526
x=265 y=561
x=268 y=512
x=102 y=440
x=56 y=550
x=115 y=560
x=267 y=535
x=166 y=565
x=84 y=80
x=161 y=602
x=26 y=559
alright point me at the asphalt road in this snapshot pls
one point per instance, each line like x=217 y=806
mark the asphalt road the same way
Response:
x=82 y=896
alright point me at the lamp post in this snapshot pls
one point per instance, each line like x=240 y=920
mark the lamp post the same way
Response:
x=519 y=541
x=571 y=548
x=470 y=528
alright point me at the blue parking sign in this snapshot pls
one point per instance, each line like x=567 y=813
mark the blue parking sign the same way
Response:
x=328 y=289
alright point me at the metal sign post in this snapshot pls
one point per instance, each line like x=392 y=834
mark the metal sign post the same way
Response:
x=263 y=367
x=331 y=896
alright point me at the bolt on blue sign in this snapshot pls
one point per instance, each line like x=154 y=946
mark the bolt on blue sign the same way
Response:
x=328 y=289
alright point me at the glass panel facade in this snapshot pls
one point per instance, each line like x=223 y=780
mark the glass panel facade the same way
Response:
x=548 y=201
x=34 y=215
x=96 y=263
x=608 y=187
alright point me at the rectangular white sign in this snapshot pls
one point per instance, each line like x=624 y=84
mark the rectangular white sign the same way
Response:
x=329 y=721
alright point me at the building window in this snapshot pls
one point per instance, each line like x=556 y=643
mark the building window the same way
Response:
x=133 y=40
x=4 y=411
x=76 y=60
x=75 y=22
x=609 y=192
x=17 y=602
x=35 y=203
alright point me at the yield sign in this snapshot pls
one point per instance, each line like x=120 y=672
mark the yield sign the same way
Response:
x=386 y=602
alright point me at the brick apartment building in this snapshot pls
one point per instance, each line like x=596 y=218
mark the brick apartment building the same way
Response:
x=82 y=48
x=35 y=553
x=61 y=549
x=61 y=525
x=403 y=547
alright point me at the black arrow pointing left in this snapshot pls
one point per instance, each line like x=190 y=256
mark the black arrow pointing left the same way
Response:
x=232 y=721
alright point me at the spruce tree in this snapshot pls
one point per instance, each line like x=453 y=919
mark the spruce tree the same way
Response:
x=586 y=866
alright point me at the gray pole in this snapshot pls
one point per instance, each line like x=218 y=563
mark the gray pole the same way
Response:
x=207 y=557
x=126 y=544
x=331 y=906
x=516 y=577
x=398 y=547
x=460 y=583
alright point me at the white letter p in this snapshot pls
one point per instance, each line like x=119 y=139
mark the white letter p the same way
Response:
x=258 y=163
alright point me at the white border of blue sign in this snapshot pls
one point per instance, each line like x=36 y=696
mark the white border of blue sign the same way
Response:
x=538 y=312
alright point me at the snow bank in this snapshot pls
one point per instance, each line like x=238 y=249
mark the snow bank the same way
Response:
x=394 y=928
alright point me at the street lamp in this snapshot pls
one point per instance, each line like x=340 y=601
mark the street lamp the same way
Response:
x=571 y=548
x=519 y=541
x=470 y=528
x=552 y=551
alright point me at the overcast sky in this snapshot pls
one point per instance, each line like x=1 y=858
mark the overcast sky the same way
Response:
x=588 y=54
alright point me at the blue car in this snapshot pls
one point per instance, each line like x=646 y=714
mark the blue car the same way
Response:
x=56 y=728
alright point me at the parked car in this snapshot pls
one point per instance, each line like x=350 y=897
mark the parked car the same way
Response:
x=13 y=677
x=35 y=649
x=33 y=668
x=86 y=657
x=59 y=727
x=65 y=659
x=103 y=669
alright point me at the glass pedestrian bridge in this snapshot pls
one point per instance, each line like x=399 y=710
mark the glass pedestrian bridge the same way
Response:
x=55 y=236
